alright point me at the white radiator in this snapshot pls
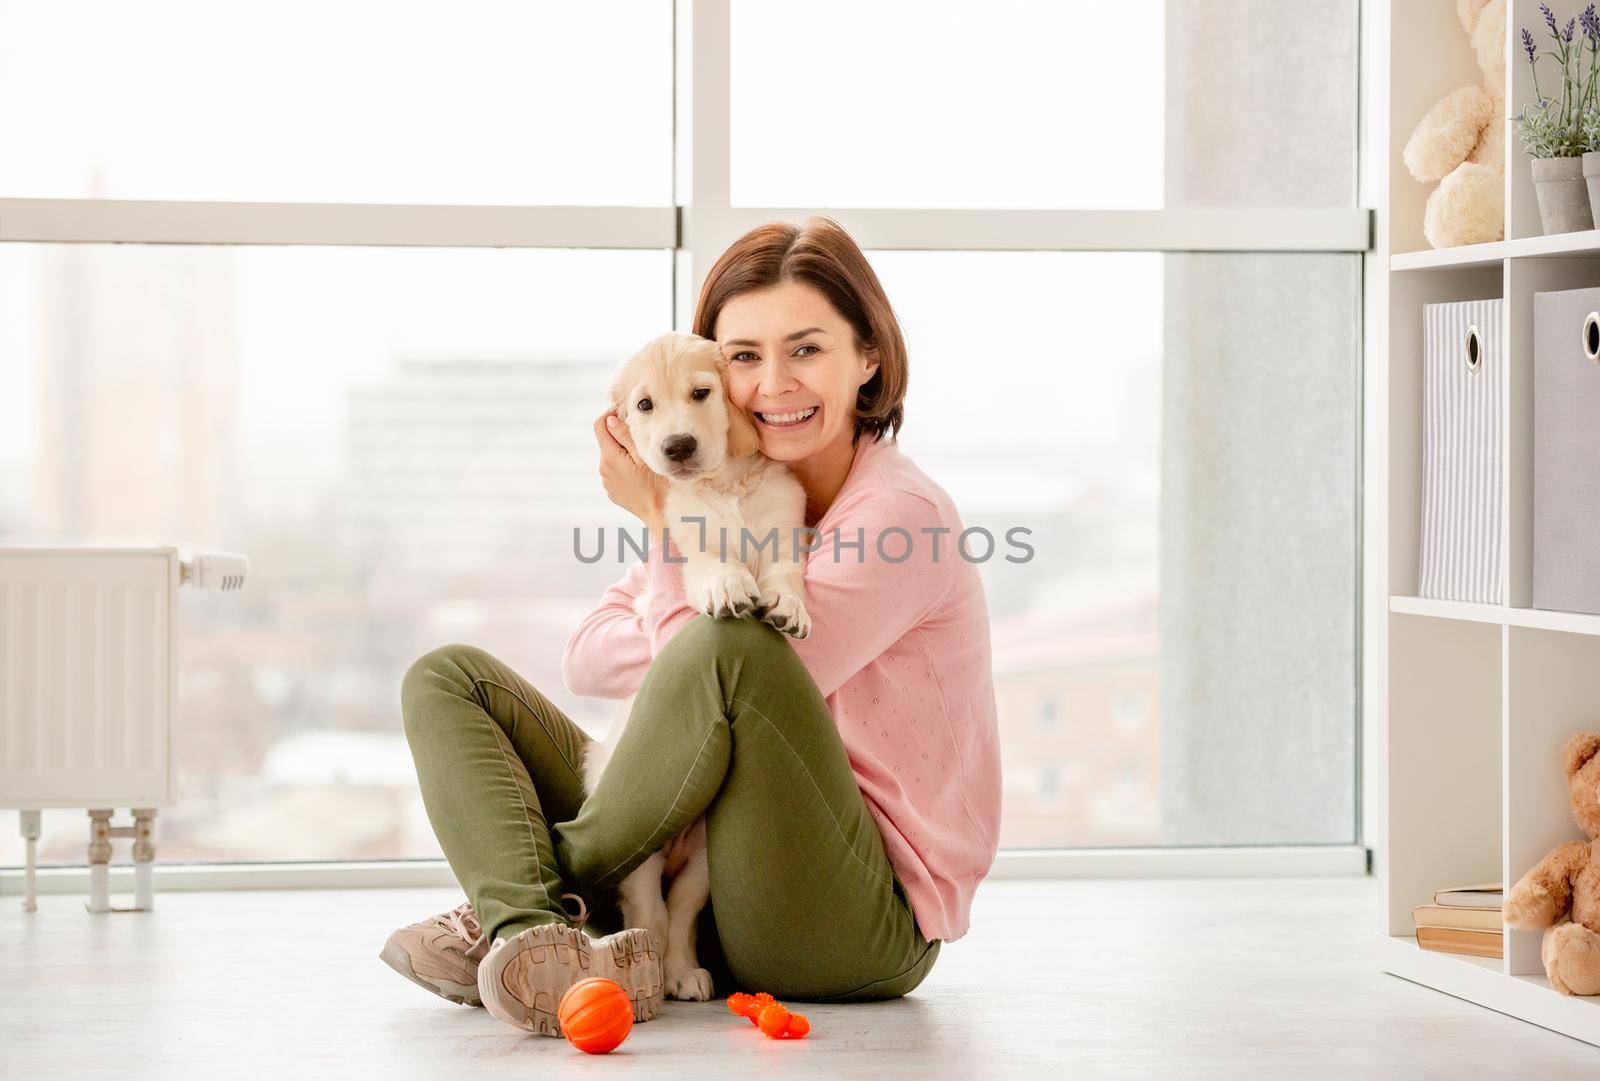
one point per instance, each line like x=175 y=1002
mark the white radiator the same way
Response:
x=88 y=673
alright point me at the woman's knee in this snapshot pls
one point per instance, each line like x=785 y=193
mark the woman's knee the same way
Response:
x=735 y=649
x=740 y=655
x=707 y=636
x=444 y=667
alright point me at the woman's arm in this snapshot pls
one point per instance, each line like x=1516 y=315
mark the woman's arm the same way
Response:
x=609 y=653
x=860 y=600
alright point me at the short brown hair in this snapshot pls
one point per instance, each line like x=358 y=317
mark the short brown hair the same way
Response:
x=820 y=254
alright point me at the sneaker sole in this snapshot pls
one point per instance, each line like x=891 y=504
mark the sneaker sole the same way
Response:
x=522 y=982
x=395 y=956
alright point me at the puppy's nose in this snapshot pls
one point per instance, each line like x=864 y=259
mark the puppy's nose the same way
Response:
x=678 y=447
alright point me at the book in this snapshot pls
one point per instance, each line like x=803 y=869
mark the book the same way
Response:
x=1452 y=940
x=1487 y=895
x=1462 y=919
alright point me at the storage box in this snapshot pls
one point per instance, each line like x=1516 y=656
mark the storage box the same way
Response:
x=1462 y=389
x=1566 y=450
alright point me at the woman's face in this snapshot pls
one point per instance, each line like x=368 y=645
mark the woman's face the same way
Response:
x=793 y=368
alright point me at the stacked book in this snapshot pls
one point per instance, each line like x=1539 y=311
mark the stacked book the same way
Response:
x=1463 y=919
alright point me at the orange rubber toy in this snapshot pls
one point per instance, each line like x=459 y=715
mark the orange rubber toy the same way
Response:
x=595 y=1015
x=769 y=1015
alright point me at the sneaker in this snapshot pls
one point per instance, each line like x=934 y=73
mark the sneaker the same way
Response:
x=441 y=954
x=522 y=978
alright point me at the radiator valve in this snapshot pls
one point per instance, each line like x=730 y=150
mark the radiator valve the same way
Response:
x=215 y=570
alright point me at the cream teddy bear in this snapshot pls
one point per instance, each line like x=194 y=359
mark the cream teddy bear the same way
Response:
x=1461 y=142
x=1567 y=882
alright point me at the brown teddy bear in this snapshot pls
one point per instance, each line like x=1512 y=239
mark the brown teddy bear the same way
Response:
x=1568 y=881
x=1461 y=141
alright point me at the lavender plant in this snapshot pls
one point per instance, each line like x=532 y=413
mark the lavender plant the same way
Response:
x=1567 y=126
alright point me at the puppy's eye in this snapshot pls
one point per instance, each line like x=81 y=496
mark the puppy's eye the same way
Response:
x=645 y=405
x=700 y=394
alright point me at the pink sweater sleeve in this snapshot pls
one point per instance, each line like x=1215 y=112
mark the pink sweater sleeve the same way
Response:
x=861 y=601
x=609 y=653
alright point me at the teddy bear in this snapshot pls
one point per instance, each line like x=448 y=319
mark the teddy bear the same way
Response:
x=1461 y=141
x=1567 y=882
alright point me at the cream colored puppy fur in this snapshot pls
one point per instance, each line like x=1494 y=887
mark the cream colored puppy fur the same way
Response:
x=719 y=485
x=724 y=491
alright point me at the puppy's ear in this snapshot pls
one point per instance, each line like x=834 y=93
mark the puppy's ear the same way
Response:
x=615 y=390
x=743 y=439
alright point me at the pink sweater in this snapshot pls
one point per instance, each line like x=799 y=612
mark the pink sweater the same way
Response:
x=900 y=651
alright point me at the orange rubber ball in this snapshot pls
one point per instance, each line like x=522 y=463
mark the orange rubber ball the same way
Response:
x=596 y=1015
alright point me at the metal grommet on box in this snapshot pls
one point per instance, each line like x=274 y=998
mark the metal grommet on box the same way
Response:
x=1472 y=349
x=1591 y=337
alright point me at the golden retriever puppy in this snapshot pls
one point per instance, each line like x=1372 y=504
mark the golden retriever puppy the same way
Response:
x=733 y=513
x=734 y=516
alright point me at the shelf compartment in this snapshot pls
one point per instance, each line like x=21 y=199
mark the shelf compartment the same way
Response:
x=1426 y=58
x=1523 y=279
x=1552 y=690
x=1442 y=761
x=1407 y=296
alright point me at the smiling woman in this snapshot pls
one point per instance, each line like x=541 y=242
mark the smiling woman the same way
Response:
x=899 y=647
x=849 y=780
x=815 y=354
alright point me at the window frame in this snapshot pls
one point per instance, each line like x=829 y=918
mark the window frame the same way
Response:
x=699 y=225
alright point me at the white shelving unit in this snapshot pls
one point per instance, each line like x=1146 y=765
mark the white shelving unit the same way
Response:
x=1467 y=705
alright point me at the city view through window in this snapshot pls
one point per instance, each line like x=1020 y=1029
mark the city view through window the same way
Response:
x=400 y=438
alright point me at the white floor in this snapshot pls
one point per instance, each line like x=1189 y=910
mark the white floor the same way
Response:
x=1240 y=978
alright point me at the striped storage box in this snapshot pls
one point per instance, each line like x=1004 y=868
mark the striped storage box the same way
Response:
x=1462 y=381
x=1566 y=450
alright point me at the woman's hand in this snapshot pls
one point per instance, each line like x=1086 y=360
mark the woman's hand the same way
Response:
x=629 y=483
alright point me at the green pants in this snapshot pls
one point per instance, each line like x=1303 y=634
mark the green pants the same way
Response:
x=727 y=724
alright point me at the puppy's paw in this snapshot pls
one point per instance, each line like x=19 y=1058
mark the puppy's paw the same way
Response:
x=731 y=592
x=686 y=983
x=785 y=612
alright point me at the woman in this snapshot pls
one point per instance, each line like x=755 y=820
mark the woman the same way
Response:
x=850 y=781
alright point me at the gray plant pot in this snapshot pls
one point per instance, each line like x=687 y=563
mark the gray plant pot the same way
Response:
x=1591 y=176
x=1563 y=195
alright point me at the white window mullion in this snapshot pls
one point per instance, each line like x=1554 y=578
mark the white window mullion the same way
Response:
x=1339 y=229
x=708 y=55
x=706 y=230
x=123 y=221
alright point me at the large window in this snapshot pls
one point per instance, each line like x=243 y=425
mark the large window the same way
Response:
x=486 y=101
x=391 y=415
x=1176 y=663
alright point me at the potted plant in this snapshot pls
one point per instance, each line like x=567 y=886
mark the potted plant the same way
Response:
x=1552 y=128
x=1589 y=120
